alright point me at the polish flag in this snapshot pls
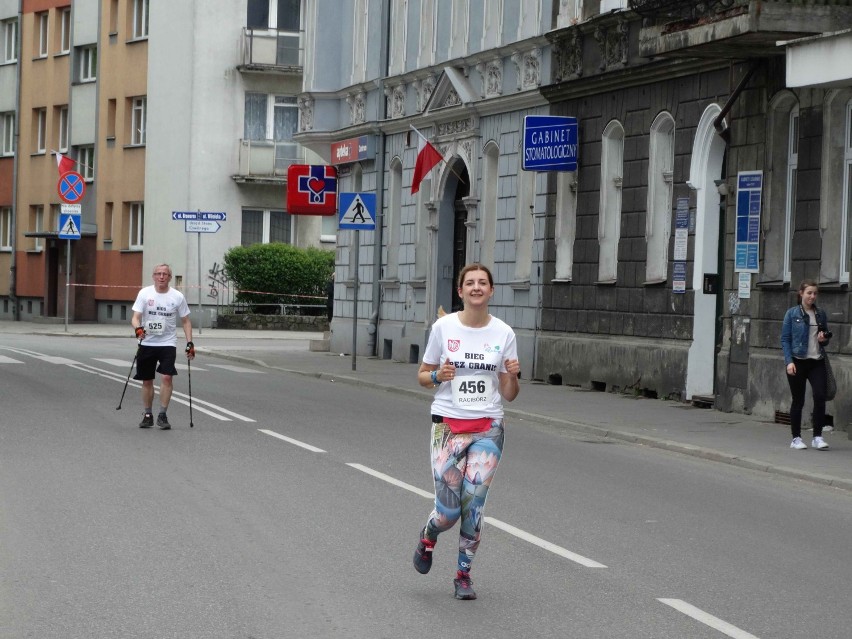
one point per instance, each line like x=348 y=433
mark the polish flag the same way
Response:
x=64 y=163
x=427 y=157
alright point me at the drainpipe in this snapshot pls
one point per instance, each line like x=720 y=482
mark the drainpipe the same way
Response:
x=13 y=267
x=373 y=328
x=719 y=122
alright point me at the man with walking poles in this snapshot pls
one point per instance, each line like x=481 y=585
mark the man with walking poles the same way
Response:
x=154 y=321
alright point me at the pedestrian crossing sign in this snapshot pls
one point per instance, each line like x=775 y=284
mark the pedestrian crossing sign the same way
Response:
x=357 y=211
x=69 y=226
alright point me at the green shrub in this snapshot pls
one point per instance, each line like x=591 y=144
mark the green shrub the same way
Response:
x=286 y=271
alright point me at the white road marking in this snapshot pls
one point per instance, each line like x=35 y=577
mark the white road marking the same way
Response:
x=541 y=543
x=235 y=369
x=126 y=364
x=184 y=367
x=9 y=360
x=391 y=480
x=517 y=532
x=290 y=440
x=714 y=622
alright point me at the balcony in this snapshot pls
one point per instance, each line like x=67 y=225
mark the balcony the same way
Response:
x=271 y=51
x=266 y=161
x=732 y=29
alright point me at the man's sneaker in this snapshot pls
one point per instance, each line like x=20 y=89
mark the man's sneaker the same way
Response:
x=798 y=444
x=423 y=555
x=819 y=443
x=147 y=421
x=464 y=586
x=163 y=422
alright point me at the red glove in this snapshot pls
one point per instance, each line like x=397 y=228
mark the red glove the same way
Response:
x=140 y=332
x=190 y=350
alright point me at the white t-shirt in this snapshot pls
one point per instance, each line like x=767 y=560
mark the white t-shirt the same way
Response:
x=159 y=315
x=478 y=354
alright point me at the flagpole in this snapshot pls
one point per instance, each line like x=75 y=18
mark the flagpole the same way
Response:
x=452 y=170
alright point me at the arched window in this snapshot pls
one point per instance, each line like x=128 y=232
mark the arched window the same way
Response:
x=658 y=217
x=566 y=224
x=488 y=205
x=393 y=217
x=524 y=225
x=835 y=225
x=609 y=218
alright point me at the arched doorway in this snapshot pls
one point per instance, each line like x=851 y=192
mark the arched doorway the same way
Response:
x=452 y=235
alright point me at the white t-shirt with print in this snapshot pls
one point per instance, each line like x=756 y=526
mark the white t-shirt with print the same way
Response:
x=159 y=315
x=479 y=354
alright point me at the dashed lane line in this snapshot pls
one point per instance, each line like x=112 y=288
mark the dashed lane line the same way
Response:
x=707 y=619
x=290 y=440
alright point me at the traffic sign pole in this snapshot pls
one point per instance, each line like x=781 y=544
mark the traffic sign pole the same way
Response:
x=67 y=279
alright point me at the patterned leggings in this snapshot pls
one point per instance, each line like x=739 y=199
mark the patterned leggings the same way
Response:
x=463 y=466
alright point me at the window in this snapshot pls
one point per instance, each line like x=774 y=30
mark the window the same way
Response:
x=62 y=128
x=39 y=129
x=140 y=18
x=137 y=121
x=135 y=225
x=846 y=207
x=609 y=216
x=65 y=30
x=393 y=215
x=262 y=226
x=88 y=57
x=41 y=35
x=488 y=207
x=566 y=224
x=107 y=231
x=273 y=118
x=86 y=162
x=5 y=228
x=36 y=225
x=7 y=122
x=658 y=214
x=360 y=35
x=790 y=204
x=273 y=14
x=10 y=40
x=524 y=224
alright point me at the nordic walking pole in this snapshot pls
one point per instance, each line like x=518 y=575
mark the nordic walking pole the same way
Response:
x=189 y=374
x=132 y=364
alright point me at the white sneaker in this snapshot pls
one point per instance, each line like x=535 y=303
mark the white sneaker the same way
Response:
x=798 y=444
x=819 y=443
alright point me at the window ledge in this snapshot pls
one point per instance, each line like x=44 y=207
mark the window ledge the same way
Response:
x=37 y=154
x=833 y=286
x=776 y=285
x=390 y=283
x=131 y=250
x=61 y=53
x=655 y=282
x=561 y=280
x=133 y=146
x=611 y=282
x=520 y=285
x=137 y=39
x=5 y=249
x=418 y=284
x=35 y=251
x=39 y=57
x=348 y=283
x=331 y=239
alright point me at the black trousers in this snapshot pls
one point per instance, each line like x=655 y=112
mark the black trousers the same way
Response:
x=813 y=371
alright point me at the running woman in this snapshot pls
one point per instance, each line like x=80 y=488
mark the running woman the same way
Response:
x=471 y=358
x=154 y=322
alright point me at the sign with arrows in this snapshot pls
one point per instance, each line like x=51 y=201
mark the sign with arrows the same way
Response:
x=213 y=216
x=201 y=226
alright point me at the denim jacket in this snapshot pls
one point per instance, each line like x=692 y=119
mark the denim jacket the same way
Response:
x=794 y=332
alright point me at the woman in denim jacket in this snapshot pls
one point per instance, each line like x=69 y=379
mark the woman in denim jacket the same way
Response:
x=803 y=335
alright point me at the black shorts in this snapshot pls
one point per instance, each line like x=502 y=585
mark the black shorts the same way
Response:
x=148 y=358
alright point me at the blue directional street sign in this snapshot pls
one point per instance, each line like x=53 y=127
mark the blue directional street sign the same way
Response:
x=211 y=216
x=357 y=211
x=69 y=226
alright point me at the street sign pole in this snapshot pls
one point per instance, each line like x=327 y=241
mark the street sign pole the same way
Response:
x=200 y=319
x=355 y=308
x=67 y=279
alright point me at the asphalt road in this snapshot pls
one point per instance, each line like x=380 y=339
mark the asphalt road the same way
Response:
x=292 y=507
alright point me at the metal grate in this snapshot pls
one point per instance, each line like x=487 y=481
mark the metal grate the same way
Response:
x=781 y=417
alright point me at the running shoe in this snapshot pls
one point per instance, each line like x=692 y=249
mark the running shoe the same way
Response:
x=147 y=421
x=798 y=444
x=423 y=556
x=163 y=422
x=819 y=443
x=464 y=586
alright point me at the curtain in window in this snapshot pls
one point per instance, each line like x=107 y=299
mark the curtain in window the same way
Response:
x=252 y=228
x=258 y=14
x=279 y=227
x=255 y=116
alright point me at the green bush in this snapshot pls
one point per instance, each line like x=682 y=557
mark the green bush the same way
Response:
x=287 y=272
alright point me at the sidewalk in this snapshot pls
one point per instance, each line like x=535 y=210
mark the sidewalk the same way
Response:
x=731 y=438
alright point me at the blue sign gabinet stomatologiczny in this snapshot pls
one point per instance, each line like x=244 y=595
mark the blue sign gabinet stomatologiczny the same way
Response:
x=550 y=143
x=747 y=233
x=213 y=216
x=357 y=211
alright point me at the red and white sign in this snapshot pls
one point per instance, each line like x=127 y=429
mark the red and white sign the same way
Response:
x=71 y=187
x=311 y=189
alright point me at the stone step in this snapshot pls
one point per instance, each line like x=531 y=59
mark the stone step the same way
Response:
x=319 y=345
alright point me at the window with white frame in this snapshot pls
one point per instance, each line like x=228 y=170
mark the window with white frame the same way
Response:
x=659 y=209
x=397 y=47
x=273 y=118
x=40 y=129
x=41 y=35
x=65 y=30
x=524 y=224
x=135 y=225
x=488 y=206
x=609 y=217
x=360 y=36
x=459 y=28
x=5 y=228
x=492 y=12
x=10 y=40
x=427 y=28
x=566 y=224
x=7 y=122
x=264 y=226
x=138 y=121
x=36 y=225
x=393 y=215
x=790 y=204
x=86 y=162
x=62 y=129
x=88 y=63
x=140 y=19
x=846 y=211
